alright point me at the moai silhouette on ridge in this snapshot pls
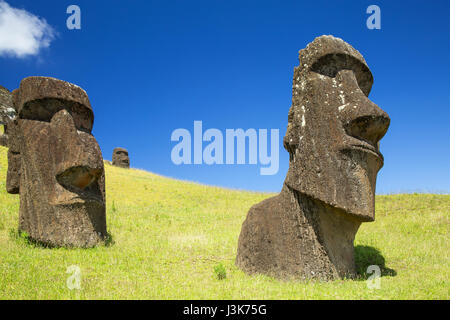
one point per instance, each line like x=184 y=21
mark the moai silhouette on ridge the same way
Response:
x=120 y=158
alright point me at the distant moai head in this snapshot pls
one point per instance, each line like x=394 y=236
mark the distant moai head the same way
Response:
x=334 y=130
x=120 y=158
x=62 y=185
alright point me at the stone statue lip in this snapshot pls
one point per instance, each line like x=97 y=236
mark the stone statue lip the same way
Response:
x=364 y=146
x=76 y=196
x=79 y=199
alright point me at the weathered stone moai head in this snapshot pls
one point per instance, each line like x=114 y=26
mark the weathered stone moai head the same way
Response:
x=333 y=139
x=334 y=129
x=120 y=158
x=62 y=184
x=7 y=114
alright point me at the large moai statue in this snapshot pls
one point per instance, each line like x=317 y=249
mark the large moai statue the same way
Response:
x=7 y=114
x=333 y=134
x=62 y=182
x=120 y=158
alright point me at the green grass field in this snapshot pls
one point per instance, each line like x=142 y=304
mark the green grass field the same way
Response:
x=170 y=236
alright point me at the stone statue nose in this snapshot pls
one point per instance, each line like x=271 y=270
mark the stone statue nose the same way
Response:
x=77 y=155
x=79 y=177
x=362 y=118
x=370 y=128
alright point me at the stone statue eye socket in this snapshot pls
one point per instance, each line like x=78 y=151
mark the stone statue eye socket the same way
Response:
x=329 y=65
x=45 y=109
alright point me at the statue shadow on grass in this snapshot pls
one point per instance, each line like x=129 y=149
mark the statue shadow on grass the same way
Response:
x=366 y=256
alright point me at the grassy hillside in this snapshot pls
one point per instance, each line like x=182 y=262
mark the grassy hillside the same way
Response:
x=168 y=237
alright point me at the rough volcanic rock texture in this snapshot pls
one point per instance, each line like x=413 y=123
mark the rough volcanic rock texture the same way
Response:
x=61 y=174
x=14 y=162
x=7 y=113
x=120 y=158
x=3 y=140
x=333 y=135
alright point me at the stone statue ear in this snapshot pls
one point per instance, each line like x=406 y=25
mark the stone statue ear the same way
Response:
x=291 y=139
x=14 y=159
x=13 y=175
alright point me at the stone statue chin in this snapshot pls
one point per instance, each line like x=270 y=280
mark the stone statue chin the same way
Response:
x=333 y=134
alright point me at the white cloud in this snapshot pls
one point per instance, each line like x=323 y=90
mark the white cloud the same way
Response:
x=22 y=33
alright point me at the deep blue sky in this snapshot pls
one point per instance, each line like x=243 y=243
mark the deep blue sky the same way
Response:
x=151 y=67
